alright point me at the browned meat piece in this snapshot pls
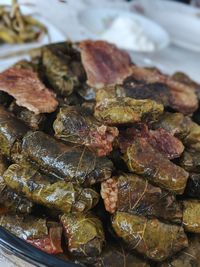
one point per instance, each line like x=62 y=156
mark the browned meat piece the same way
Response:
x=133 y=88
x=143 y=159
x=25 y=86
x=164 y=142
x=147 y=75
x=183 y=97
x=182 y=127
x=51 y=243
x=151 y=84
x=126 y=137
x=104 y=63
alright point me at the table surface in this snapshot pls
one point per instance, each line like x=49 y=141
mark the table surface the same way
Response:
x=169 y=60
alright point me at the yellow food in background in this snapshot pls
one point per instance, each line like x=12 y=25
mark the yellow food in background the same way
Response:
x=16 y=28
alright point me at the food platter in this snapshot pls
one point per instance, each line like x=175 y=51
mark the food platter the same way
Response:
x=99 y=160
x=57 y=157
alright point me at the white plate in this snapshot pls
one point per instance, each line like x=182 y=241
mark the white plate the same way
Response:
x=96 y=21
x=180 y=20
x=54 y=35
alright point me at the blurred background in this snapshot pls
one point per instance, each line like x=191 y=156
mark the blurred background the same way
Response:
x=160 y=33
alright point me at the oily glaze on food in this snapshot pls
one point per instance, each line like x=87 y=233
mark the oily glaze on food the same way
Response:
x=103 y=155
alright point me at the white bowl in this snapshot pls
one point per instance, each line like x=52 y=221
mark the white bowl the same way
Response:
x=96 y=21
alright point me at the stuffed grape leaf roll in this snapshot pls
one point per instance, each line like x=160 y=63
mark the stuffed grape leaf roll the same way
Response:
x=189 y=257
x=62 y=67
x=150 y=237
x=77 y=126
x=190 y=161
x=143 y=159
x=184 y=78
x=12 y=131
x=191 y=215
x=10 y=202
x=192 y=140
x=161 y=140
x=126 y=110
x=84 y=234
x=71 y=163
x=36 y=231
x=50 y=192
x=134 y=194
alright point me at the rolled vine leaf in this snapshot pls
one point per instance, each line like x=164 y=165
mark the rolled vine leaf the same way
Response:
x=67 y=162
x=49 y=192
x=150 y=237
x=143 y=159
x=84 y=234
x=133 y=194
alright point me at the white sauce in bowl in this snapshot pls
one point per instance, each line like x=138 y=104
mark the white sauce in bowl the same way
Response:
x=127 y=33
